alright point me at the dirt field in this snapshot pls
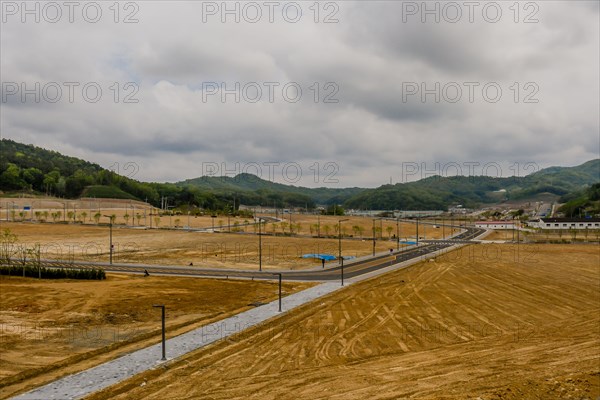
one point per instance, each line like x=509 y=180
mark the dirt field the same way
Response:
x=456 y=328
x=142 y=215
x=180 y=247
x=51 y=327
x=547 y=236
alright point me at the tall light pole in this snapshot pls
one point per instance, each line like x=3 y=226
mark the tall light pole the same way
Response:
x=162 y=307
x=110 y=224
x=319 y=225
x=279 y=274
x=373 y=238
x=259 y=244
x=374 y=219
x=443 y=229
x=417 y=231
x=340 y=240
x=398 y=233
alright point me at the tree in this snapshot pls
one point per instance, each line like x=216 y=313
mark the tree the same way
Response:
x=138 y=217
x=298 y=227
x=356 y=230
x=22 y=215
x=361 y=231
x=378 y=231
x=126 y=218
x=97 y=217
x=33 y=177
x=389 y=230
x=7 y=245
x=83 y=216
x=10 y=178
x=45 y=216
x=50 y=181
x=284 y=226
x=327 y=229
x=70 y=215
x=334 y=210
x=55 y=216
x=37 y=214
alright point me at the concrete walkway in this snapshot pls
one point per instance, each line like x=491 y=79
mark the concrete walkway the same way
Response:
x=86 y=382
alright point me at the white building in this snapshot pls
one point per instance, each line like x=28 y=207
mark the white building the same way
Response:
x=495 y=224
x=567 y=223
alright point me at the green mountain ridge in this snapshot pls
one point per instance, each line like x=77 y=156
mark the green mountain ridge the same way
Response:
x=31 y=169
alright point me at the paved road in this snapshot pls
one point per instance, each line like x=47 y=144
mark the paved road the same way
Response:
x=351 y=269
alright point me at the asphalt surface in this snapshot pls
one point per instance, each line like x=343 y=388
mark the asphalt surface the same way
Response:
x=351 y=269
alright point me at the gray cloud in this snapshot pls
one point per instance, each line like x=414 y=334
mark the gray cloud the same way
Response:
x=371 y=55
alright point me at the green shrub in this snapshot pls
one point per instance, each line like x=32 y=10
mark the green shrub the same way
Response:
x=33 y=271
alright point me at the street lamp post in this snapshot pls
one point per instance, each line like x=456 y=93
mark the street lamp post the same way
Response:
x=259 y=244
x=443 y=230
x=374 y=219
x=162 y=307
x=279 y=274
x=417 y=231
x=340 y=240
x=110 y=225
x=398 y=233
x=373 y=238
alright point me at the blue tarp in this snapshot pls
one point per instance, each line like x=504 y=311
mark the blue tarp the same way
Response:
x=326 y=257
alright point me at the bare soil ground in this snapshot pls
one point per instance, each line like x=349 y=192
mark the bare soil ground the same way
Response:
x=458 y=327
x=180 y=247
x=51 y=327
x=143 y=215
x=566 y=236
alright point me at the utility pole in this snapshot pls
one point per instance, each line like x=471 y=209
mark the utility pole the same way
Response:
x=164 y=351
x=417 y=231
x=259 y=244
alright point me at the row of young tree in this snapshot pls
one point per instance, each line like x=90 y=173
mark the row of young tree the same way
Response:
x=20 y=259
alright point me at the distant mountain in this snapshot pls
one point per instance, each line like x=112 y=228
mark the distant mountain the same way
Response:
x=34 y=170
x=439 y=192
x=243 y=183
x=31 y=169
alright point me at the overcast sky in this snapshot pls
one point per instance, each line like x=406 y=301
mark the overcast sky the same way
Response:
x=387 y=92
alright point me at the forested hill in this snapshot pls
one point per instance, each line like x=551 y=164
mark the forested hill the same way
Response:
x=438 y=192
x=33 y=170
